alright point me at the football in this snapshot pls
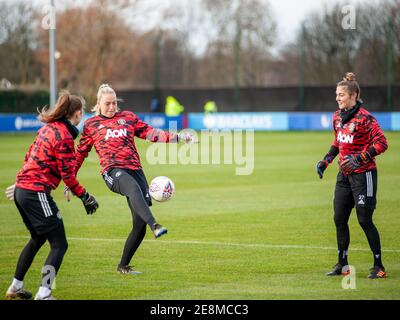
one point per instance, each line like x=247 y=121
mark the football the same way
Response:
x=161 y=189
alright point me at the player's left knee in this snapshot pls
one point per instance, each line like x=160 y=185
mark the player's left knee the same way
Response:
x=59 y=245
x=366 y=224
x=364 y=216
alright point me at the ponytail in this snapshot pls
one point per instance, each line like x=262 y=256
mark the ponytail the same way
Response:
x=66 y=105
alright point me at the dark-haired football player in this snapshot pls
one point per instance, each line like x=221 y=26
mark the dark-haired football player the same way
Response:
x=358 y=140
x=49 y=159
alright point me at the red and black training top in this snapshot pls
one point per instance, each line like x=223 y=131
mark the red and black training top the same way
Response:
x=49 y=159
x=113 y=140
x=361 y=133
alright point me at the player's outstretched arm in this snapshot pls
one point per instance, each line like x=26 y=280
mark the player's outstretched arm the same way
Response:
x=188 y=137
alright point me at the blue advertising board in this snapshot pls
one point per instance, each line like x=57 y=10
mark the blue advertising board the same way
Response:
x=30 y=123
x=310 y=121
x=395 y=124
x=19 y=123
x=161 y=121
x=323 y=120
x=384 y=119
x=259 y=121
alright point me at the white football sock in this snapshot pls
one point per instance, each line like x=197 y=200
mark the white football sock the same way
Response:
x=44 y=292
x=16 y=284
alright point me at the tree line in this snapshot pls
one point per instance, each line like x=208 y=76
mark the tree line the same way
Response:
x=203 y=43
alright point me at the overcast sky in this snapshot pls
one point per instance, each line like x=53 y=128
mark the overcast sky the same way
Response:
x=288 y=13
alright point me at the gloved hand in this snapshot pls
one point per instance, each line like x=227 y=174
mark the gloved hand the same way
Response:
x=10 y=192
x=67 y=193
x=321 y=167
x=90 y=203
x=352 y=162
x=187 y=137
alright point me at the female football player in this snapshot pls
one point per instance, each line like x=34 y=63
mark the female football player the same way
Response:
x=112 y=133
x=50 y=158
x=358 y=140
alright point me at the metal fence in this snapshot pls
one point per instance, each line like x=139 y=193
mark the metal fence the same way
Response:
x=257 y=99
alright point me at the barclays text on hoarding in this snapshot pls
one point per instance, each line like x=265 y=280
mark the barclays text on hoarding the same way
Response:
x=27 y=123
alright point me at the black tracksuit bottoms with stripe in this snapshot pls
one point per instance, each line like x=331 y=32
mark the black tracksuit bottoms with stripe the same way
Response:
x=42 y=218
x=133 y=185
x=359 y=191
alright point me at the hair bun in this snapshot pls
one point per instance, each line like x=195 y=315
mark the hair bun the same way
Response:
x=350 y=76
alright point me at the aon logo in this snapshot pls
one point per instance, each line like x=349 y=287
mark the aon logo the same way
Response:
x=344 y=138
x=115 y=133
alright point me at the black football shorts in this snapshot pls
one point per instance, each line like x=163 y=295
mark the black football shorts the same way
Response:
x=38 y=210
x=357 y=190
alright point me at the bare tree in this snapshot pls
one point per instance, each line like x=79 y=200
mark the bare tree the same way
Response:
x=330 y=50
x=203 y=35
x=248 y=28
x=379 y=29
x=95 y=46
x=17 y=43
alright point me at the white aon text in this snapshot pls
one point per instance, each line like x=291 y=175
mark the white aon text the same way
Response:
x=115 y=133
x=344 y=138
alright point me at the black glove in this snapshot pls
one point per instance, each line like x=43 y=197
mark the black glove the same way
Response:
x=324 y=163
x=90 y=203
x=321 y=167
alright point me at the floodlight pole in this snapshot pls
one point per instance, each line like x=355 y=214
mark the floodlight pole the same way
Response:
x=389 y=64
x=157 y=62
x=237 y=47
x=301 y=68
x=52 y=57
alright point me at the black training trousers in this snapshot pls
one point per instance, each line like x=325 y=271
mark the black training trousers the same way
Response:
x=356 y=190
x=133 y=185
x=43 y=220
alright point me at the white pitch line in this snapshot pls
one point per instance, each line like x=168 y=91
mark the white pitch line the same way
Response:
x=224 y=244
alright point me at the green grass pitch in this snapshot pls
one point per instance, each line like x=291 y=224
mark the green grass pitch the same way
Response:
x=269 y=235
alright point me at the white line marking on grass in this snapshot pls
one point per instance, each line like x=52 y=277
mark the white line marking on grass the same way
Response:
x=223 y=244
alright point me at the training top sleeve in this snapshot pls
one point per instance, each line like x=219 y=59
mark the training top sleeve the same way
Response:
x=378 y=140
x=28 y=153
x=145 y=131
x=84 y=147
x=65 y=156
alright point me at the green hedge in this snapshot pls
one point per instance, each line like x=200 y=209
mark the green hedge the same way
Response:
x=19 y=101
